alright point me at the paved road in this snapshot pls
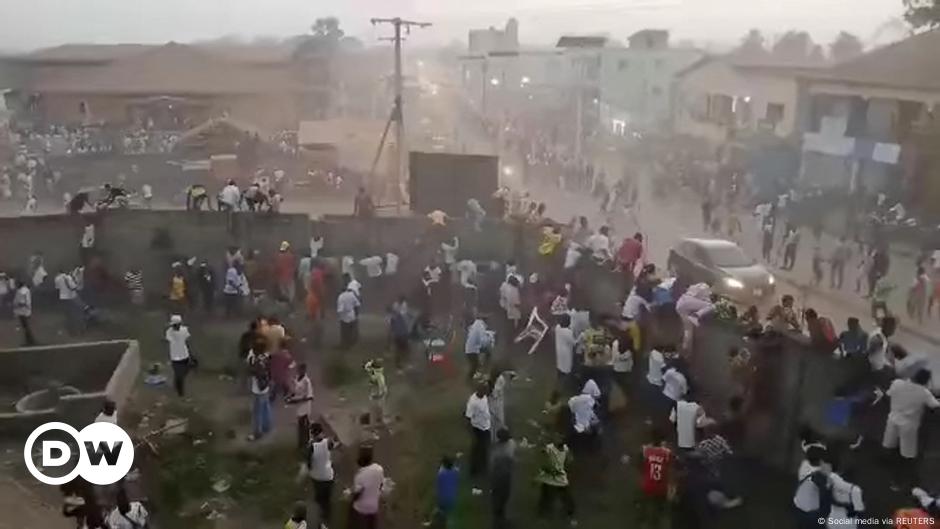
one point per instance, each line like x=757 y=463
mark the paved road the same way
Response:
x=664 y=222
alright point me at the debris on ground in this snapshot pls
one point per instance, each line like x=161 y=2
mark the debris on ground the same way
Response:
x=221 y=484
x=175 y=426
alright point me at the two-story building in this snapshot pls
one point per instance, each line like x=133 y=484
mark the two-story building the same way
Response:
x=873 y=122
x=721 y=99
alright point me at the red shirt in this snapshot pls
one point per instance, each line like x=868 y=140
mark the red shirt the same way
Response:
x=630 y=251
x=284 y=267
x=656 y=463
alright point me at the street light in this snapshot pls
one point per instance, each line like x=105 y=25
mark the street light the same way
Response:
x=494 y=81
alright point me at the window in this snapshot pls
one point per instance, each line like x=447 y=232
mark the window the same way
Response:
x=658 y=64
x=656 y=91
x=775 y=112
x=623 y=64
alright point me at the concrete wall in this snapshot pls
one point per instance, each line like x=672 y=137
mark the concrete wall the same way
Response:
x=128 y=238
x=99 y=370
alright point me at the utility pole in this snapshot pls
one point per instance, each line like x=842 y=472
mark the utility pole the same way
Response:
x=398 y=114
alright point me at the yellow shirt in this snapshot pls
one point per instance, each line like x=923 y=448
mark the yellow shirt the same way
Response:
x=177 y=288
x=550 y=241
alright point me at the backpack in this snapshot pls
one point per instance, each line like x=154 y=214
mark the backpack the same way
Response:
x=828 y=331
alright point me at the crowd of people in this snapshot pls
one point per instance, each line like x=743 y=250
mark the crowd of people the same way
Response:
x=691 y=463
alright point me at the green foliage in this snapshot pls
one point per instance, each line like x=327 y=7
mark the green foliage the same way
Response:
x=922 y=14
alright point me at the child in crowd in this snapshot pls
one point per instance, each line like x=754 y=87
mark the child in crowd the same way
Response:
x=446 y=487
x=378 y=390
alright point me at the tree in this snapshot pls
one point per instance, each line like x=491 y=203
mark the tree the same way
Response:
x=325 y=38
x=922 y=13
x=846 y=46
x=753 y=45
x=327 y=29
x=793 y=46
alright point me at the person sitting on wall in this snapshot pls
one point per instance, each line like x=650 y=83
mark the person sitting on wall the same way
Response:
x=197 y=197
x=114 y=195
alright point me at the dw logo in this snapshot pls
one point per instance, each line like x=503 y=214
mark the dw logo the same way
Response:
x=105 y=453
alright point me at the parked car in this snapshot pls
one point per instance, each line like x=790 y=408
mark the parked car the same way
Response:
x=723 y=265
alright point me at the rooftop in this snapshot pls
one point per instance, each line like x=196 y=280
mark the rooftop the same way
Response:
x=574 y=41
x=168 y=69
x=911 y=63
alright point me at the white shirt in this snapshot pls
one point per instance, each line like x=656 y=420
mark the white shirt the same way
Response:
x=434 y=273
x=599 y=244
x=806 y=497
x=908 y=400
x=450 y=252
x=633 y=305
x=321 y=461
x=572 y=255
x=478 y=411
x=230 y=195
x=316 y=244
x=66 y=287
x=564 y=348
x=467 y=270
x=303 y=389
x=146 y=191
x=23 y=302
x=622 y=362
x=685 y=415
x=847 y=494
x=582 y=409
x=373 y=265
x=591 y=388
x=674 y=384
x=135 y=518
x=509 y=300
x=177 y=340
x=346 y=305
x=88 y=236
x=878 y=359
x=655 y=370
x=355 y=287
x=391 y=264
x=233 y=282
x=368 y=481
x=346 y=265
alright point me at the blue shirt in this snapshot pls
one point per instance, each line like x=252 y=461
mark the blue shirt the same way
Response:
x=853 y=343
x=477 y=338
x=446 y=486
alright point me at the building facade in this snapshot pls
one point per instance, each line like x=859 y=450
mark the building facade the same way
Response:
x=721 y=100
x=873 y=123
x=180 y=85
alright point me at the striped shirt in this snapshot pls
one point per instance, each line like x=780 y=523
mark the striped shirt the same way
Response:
x=134 y=281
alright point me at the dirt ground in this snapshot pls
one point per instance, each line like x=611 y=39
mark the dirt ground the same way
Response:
x=256 y=482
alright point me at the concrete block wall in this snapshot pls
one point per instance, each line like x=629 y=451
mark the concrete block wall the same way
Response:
x=99 y=370
x=126 y=238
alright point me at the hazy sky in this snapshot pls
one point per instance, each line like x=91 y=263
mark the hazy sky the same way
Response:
x=28 y=24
